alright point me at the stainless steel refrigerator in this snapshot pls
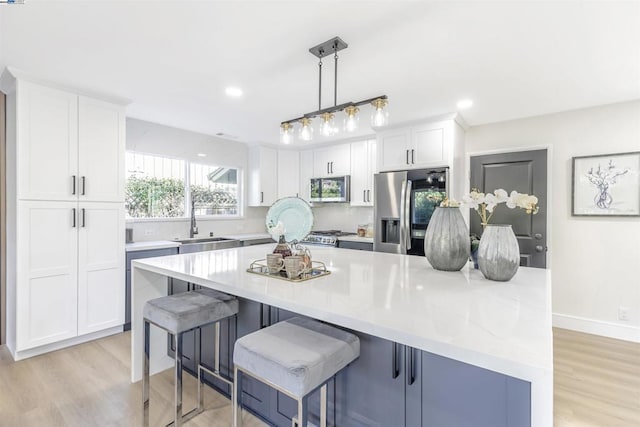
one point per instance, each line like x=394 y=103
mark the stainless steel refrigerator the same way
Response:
x=404 y=203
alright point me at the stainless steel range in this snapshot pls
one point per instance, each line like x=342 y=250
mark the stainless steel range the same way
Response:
x=325 y=237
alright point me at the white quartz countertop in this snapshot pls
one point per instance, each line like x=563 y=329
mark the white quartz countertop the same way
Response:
x=247 y=236
x=144 y=246
x=501 y=326
x=356 y=239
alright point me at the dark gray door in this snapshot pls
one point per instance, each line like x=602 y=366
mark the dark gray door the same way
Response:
x=524 y=172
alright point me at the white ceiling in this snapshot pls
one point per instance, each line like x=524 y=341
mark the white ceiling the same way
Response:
x=173 y=59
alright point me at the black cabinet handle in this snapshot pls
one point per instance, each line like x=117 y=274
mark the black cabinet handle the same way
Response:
x=364 y=195
x=411 y=375
x=73 y=218
x=84 y=182
x=331 y=167
x=368 y=195
x=412 y=153
x=262 y=322
x=327 y=168
x=262 y=197
x=394 y=361
x=73 y=185
x=407 y=155
x=83 y=217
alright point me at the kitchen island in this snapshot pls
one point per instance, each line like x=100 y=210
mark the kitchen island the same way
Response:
x=503 y=329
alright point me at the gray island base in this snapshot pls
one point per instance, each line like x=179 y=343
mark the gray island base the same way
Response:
x=437 y=348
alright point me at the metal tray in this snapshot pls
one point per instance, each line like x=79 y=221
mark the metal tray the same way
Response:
x=318 y=269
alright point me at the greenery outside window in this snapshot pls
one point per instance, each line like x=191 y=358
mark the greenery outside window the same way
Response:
x=157 y=187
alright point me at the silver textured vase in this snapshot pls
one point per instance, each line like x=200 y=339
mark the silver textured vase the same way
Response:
x=446 y=242
x=498 y=253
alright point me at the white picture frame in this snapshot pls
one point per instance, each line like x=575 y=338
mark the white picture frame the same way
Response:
x=606 y=185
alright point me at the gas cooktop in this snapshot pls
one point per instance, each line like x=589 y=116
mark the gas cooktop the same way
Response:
x=325 y=237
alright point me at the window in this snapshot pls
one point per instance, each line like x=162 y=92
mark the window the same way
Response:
x=156 y=187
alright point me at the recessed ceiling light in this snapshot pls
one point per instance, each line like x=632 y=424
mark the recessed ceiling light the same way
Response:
x=464 y=103
x=233 y=91
x=202 y=155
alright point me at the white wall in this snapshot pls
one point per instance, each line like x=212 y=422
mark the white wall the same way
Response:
x=340 y=216
x=595 y=261
x=153 y=138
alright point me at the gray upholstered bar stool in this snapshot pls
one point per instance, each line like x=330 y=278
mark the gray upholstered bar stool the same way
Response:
x=296 y=356
x=178 y=314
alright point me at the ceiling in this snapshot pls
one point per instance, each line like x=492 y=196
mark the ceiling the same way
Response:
x=174 y=59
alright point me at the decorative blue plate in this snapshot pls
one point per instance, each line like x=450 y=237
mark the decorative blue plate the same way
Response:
x=294 y=214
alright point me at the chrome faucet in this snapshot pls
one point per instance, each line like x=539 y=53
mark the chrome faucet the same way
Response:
x=193 y=229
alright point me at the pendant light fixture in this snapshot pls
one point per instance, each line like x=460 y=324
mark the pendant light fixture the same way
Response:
x=327 y=127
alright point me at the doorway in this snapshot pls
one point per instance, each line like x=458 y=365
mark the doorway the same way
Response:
x=524 y=172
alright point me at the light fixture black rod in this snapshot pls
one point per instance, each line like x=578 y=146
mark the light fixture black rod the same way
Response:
x=335 y=75
x=320 y=84
x=335 y=108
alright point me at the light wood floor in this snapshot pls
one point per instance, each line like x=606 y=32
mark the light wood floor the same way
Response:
x=597 y=383
x=596 y=380
x=88 y=385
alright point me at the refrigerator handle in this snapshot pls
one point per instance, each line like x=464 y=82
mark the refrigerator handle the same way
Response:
x=403 y=206
x=407 y=214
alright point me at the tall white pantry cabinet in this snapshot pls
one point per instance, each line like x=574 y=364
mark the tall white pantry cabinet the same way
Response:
x=65 y=219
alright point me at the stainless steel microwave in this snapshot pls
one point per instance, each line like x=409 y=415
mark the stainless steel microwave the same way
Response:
x=334 y=189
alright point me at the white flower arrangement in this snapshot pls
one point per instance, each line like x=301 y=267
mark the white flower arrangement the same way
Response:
x=485 y=204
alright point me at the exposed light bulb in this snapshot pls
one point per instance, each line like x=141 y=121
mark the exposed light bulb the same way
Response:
x=379 y=116
x=327 y=128
x=286 y=133
x=351 y=118
x=306 y=131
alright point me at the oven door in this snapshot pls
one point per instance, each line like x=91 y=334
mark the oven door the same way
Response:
x=330 y=190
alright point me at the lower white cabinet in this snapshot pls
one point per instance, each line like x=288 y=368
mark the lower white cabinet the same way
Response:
x=70 y=268
x=100 y=266
x=47 y=275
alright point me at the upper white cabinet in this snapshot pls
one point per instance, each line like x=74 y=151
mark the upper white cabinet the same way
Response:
x=363 y=164
x=288 y=173
x=47 y=153
x=101 y=150
x=334 y=160
x=263 y=176
x=70 y=147
x=419 y=146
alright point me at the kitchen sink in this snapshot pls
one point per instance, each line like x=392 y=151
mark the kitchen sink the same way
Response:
x=201 y=244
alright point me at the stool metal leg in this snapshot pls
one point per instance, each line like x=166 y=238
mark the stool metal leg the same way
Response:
x=323 y=405
x=200 y=407
x=178 y=379
x=145 y=376
x=302 y=419
x=235 y=397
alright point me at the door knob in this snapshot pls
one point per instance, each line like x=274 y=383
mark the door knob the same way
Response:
x=538 y=236
x=540 y=248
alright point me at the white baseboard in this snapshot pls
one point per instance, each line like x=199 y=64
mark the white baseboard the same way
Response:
x=25 y=354
x=597 y=327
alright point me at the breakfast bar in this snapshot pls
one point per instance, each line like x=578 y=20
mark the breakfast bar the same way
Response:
x=498 y=330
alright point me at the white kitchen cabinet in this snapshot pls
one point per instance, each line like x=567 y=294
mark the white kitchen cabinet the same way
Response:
x=71 y=147
x=65 y=179
x=288 y=173
x=420 y=146
x=47 y=291
x=101 y=260
x=334 y=160
x=306 y=173
x=47 y=125
x=263 y=176
x=101 y=150
x=363 y=162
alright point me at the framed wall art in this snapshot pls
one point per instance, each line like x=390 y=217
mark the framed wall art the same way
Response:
x=606 y=185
